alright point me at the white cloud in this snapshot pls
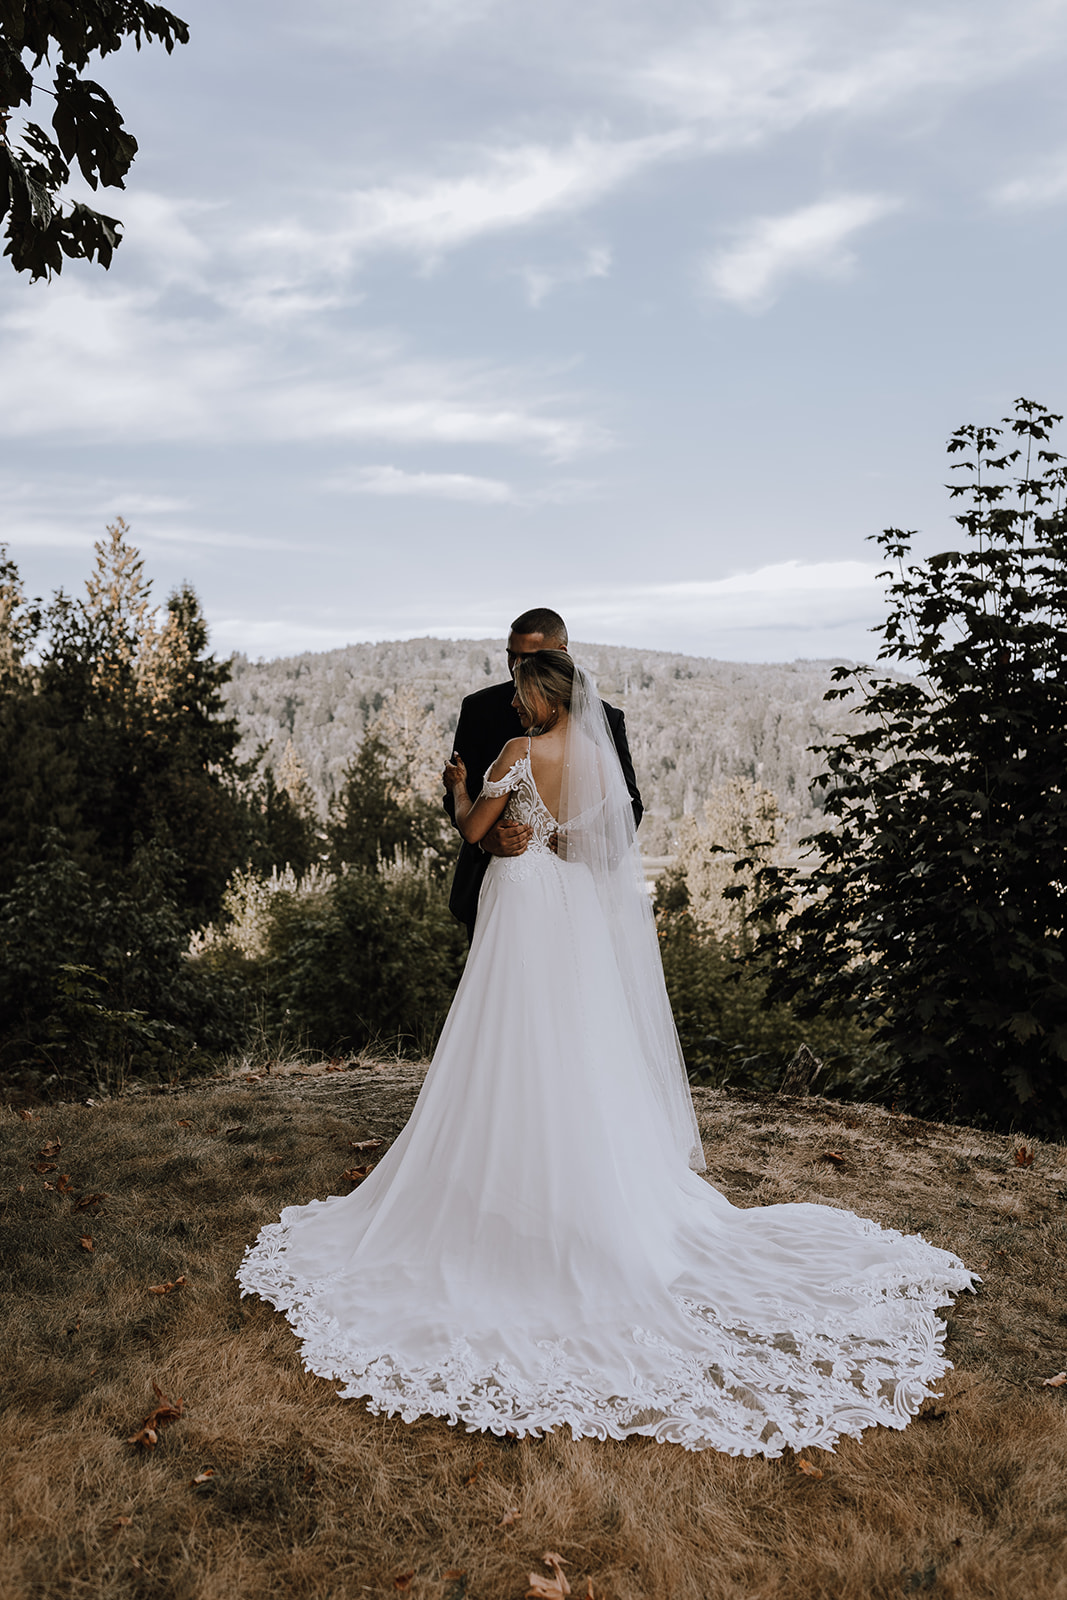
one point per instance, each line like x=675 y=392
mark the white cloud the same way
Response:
x=811 y=241
x=94 y=362
x=1046 y=185
x=775 y=613
x=764 y=68
x=771 y=613
x=504 y=189
x=541 y=281
x=392 y=481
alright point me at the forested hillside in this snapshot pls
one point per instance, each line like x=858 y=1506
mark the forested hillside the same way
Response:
x=693 y=722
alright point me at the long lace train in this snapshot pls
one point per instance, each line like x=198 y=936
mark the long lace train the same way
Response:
x=533 y=1251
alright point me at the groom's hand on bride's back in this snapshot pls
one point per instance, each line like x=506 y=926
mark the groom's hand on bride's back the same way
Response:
x=506 y=839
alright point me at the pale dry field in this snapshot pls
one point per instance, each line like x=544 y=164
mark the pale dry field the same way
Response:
x=310 y=1498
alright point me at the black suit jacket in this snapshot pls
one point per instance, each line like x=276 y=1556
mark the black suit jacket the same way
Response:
x=487 y=720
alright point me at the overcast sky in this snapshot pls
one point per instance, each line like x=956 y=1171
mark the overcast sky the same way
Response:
x=650 y=310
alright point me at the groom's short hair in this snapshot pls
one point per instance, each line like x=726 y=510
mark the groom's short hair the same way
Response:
x=549 y=624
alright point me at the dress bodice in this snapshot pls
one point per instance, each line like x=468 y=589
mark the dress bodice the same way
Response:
x=524 y=803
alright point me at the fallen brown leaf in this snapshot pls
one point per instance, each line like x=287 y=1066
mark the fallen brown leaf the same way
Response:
x=273 y=1161
x=807 y=1469
x=357 y=1174
x=63 y=1184
x=45 y=1166
x=203 y=1476
x=88 y=1202
x=1024 y=1157
x=167 y=1411
x=510 y=1517
x=85 y=1242
x=402 y=1580
x=234 y=1129
x=184 y=1122
x=51 y=1147
x=553 y=1588
x=362 y=1146
x=1055 y=1383
x=335 y=1065
x=165 y=1288
x=834 y=1157
x=27 y=1116
x=122 y=1522
x=474 y=1473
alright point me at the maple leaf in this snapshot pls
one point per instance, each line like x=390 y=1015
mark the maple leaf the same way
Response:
x=1024 y=1157
x=553 y=1588
x=50 y=1148
x=807 y=1469
x=86 y=1242
x=357 y=1174
x=1055 y=1383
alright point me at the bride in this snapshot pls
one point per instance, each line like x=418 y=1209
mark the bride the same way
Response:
x=537 y=1248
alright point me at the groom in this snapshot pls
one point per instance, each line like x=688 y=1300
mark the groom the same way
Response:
x=487 y=720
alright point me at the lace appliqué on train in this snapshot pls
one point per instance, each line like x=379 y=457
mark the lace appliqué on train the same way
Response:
x=751 y=1390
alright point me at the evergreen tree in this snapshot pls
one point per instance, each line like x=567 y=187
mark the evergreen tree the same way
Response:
x=935 y=911
x=368 y=823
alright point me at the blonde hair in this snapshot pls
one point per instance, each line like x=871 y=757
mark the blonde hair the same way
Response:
x=546 y=676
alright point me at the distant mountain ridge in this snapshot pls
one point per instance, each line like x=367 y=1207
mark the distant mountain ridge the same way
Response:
x=693 y=721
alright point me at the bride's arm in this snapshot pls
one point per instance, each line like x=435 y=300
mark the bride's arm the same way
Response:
x=474 y=818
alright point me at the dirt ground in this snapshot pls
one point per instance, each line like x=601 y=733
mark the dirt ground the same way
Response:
x=121 y=1224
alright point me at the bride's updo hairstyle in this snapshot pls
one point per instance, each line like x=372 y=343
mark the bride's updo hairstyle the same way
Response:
x=544 y=679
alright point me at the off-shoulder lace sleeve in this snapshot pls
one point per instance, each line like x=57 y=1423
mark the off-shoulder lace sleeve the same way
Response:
x=504 y=785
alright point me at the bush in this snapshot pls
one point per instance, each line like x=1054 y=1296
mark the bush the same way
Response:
x=729 y=1031
x=346 y=960
x=95 y=983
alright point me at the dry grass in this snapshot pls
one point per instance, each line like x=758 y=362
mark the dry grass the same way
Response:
x=313 y=1498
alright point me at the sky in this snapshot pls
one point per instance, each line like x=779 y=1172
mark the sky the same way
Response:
x=653 y=311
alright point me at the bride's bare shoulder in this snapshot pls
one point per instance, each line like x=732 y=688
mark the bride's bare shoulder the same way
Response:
x=512 y=752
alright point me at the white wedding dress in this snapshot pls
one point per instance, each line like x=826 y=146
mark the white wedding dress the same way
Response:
x=535 y=1250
